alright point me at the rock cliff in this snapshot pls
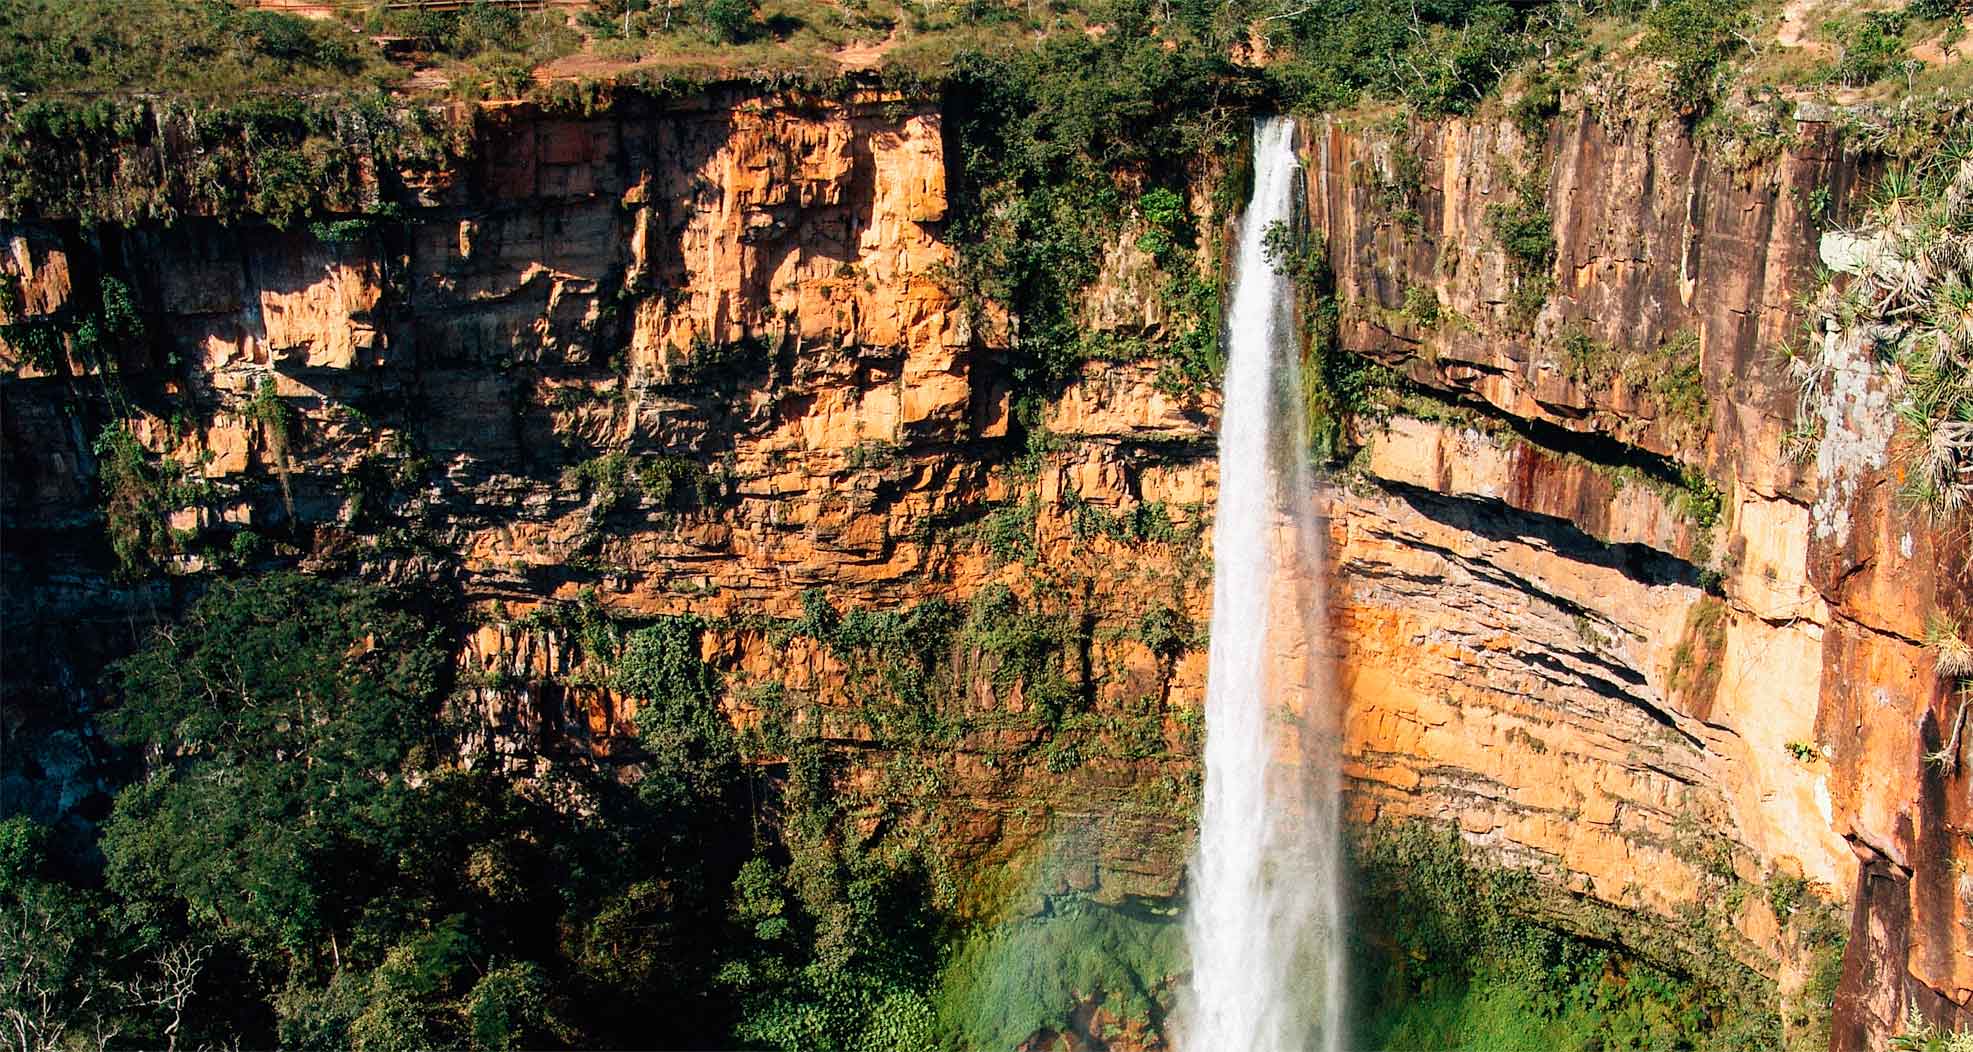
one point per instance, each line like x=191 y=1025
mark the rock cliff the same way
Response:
x=712 y=356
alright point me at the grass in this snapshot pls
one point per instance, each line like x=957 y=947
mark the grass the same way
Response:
x=1952 y=655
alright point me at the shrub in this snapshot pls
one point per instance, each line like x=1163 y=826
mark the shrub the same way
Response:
x=1465 y=961
x=1587 y=359
x=692 y=750
x=1337 y=386
x=1440 y=57
x=1696 y=38
x=1871 y=45
x=1524 y=226
x=1421 y=305
x=1041 y=136
x=1677 y=382
x=1952 y=655
x=729 y=21
x=1696 y=664
x=209 y=49
x=1027 y=646
x=1008 y=532
x=280 y=712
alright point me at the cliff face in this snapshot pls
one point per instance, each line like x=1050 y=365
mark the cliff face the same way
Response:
x=1535 y=631
x=710 y=356
x=694 y=359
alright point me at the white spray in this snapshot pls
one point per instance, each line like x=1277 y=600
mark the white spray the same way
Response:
x=1264 y=917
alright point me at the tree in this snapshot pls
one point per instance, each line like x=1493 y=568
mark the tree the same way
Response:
x=305 y=863
x=56 y=944
x=729 y=21
x=693 y=755
x=282 y=718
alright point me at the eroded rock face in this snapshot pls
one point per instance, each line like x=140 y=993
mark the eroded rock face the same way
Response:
x=1540 y=631
x=746 y=299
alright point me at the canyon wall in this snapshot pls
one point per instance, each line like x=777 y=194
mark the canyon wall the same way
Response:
x=1583 y=670
x=713 y=356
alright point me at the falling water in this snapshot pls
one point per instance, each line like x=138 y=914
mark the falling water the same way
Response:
x=1263 y=923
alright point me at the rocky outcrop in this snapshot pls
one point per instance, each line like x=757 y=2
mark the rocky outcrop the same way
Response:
x=707 y=355
x=1571 y=666
x=694 y=358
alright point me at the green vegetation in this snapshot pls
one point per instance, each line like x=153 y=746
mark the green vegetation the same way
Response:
x=206 y=48
x=1008 y=532
x=1148 y=522
x=1526 y=232
x=280 y=158
x=1043 y=136
x=308 y=862
x=1337 y=387
x=1671 y=375
x=1696 y=660
x=1677 y=383
x=139 y=494
x=1026 y=646
x=1952 y=655
x=1872 y=47
x=314 y=859
x=1438 y=58
x=93 y=336
x=664 y=479
x=1005 y=982
x=1910 y=305
x=1922 y=1036
x=1421 y=305
x=1463 y=965
x=311 y=862
x=1952 y=661
x=1697 y=38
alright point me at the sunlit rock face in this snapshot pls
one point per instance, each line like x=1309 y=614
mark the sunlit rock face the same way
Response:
x=1532 y=651
x=1528 y=646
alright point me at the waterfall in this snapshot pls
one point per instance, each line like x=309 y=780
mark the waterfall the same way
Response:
x=1263 y=921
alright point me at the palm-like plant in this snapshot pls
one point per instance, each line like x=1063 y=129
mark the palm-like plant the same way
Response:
x=1911 y=302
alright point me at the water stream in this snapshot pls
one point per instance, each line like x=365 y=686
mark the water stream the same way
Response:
x=1263 y=921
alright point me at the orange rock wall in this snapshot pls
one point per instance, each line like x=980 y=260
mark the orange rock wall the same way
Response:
x=1518 y=645
x=1514 y=626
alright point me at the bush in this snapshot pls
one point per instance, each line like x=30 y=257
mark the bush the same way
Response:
x=1337 y=387
x=1441 y=57
x=1696 y=38
x=729 y=21
x=275 y=697
x=355 y=885
x=1872 y=47
x=1464 y=962
x=693 y=753
x=211 y=49
x=1041 y=137
x=1526 y=232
